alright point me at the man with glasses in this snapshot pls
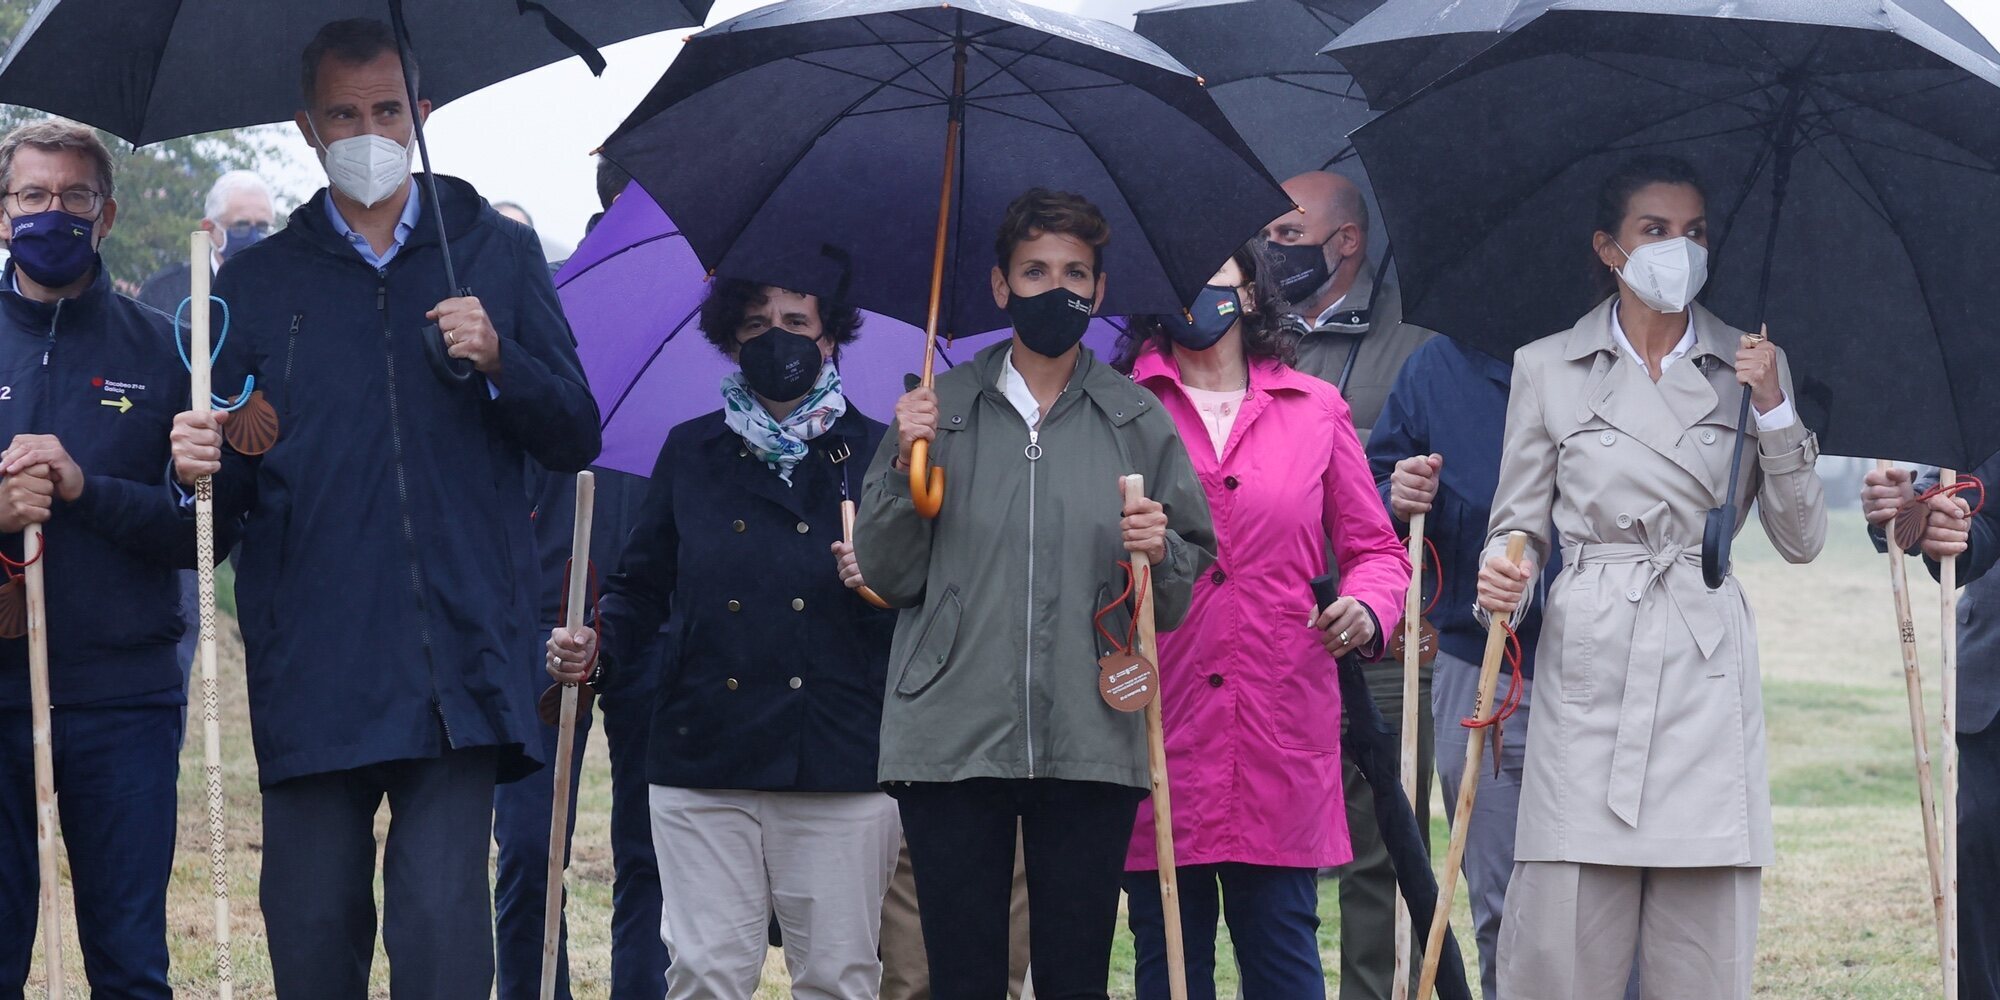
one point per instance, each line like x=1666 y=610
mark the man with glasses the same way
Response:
x=88 y=383
x=237 y=213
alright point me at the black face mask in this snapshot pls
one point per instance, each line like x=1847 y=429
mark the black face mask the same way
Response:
x=1301 y=269
x=1050 y=323
x=1214 y=311
x=780 y=366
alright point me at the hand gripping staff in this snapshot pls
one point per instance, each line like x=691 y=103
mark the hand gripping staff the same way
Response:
x=573 y=616
x=1156 y=758
x=1468 y=786
x=200 y=359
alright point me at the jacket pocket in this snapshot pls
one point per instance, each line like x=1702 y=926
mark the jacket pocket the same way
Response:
x=932 y=653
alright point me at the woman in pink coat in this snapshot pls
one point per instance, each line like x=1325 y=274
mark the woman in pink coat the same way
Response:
x=1252 y=707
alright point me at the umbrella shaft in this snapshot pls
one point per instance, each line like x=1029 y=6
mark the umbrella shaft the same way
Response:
x=952 y=131
x=403 y=50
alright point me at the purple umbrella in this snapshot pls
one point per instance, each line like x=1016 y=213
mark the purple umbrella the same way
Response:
x=633 y=292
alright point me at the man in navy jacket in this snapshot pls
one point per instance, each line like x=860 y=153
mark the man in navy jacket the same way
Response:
x=88 y=383
x=387 y=585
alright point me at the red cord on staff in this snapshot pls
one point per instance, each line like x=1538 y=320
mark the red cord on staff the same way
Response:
x=1131 y=632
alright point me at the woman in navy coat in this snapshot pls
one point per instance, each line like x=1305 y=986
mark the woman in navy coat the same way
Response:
x=764 y=735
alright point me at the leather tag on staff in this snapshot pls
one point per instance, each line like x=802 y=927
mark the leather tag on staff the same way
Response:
x=1127 y=681
x=1427 y=643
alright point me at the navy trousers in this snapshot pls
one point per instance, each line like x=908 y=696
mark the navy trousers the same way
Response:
x=1979 y=865
x=115 y=773
x=521 y=829
x=1273 y=916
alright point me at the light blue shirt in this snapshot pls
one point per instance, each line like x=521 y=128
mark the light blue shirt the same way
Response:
x=404 y=227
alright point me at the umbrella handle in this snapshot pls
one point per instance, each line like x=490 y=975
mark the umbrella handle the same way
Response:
x=847 y=535
x=926 y=481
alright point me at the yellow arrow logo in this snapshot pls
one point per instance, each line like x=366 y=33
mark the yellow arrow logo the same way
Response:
x=122 y=403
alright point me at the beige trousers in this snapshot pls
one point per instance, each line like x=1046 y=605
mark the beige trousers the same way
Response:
x=1570 y=930
x=729 y=860
x=906 y=971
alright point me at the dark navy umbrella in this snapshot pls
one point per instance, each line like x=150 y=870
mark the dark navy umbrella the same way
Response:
x=1853 y=170
x=1261 y=61
x=899 y=130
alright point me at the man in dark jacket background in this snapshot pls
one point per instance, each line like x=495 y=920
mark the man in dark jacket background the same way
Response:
x=88 y=383
x=387 y=587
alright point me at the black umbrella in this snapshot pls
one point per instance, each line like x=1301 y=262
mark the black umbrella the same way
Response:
x=1853 y=169
x=159 y=70
x=1260 y=60
x=832 y=122
x=1376 y=752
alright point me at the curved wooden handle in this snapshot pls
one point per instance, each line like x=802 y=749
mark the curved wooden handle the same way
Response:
x=847 y=535
x=926 y=483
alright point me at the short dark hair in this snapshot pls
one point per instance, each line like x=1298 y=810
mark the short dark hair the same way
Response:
x=1041 y=211
x=611 y=180
x=354 y=41
x=1614 y=198
x=1263 y=330
x=729 y=298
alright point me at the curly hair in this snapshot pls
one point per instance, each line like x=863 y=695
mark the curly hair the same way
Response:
x=729 y=298
x=1042 y=211
x=1263 y=331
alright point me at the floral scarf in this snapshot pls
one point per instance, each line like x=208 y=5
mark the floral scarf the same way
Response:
x=782 y=443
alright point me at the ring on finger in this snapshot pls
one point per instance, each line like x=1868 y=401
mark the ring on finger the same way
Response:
x=1343 y=636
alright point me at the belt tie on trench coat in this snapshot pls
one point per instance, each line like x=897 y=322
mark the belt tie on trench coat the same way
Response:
x=1673 y=589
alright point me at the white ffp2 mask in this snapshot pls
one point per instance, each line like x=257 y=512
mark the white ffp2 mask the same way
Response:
x=1667 y=275
x=367 y=168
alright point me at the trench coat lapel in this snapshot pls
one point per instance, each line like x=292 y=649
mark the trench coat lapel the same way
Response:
x=1655 y=414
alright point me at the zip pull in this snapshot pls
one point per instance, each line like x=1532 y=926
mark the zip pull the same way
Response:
x=381 y=297
x=1034 y=448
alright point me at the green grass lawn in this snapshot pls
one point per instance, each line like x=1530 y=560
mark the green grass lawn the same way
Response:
x=1845 y=912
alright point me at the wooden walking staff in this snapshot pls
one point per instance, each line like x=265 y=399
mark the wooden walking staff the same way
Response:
x=1913 y=687
x=1413 y=642
x=579 y=579
x=1948 y=681
x=1468 y=785
x=45 y=766
x=926 y=481
x=200 y=248
x=1156 y=759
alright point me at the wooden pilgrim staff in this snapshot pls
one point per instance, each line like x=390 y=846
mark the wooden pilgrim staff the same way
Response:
x=45 y=767
x=1948 y=879
x=1413 y=643
x=573 y=619
x=1468 y=785
x=1156 y=756
x=200 y=247
x=1913 y=686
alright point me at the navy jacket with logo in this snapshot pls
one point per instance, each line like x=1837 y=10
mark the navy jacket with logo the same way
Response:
x=388 y=583
x=100 y=373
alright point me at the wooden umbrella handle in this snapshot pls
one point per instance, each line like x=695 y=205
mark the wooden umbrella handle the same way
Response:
x=1145 y=644
x=579 y=582
x=847 y=535
x=1468 y=784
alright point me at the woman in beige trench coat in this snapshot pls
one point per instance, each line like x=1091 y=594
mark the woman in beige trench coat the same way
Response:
x=1645 y=815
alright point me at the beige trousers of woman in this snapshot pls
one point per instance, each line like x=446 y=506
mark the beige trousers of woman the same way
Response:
x=1570 y=931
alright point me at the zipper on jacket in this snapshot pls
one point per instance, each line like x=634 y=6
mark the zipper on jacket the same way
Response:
x=403 y=502
x=291 y=344
x=1034 y=454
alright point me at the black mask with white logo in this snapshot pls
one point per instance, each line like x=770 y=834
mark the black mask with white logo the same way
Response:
x=1050 y=323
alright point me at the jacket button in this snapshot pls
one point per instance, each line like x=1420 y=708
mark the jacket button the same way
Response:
x=730 y=684
x=742 y=453
x=798 y=604
x=738 y=525
x=957 y=418
x=1608 y=438
x=1215 y=680
x=1632 y=595
x=735 y=605
x=1217 y=577
x=796 y=683
x=1707 y=437
x=1229 y=482
x=1624 y=520
x=804 y=527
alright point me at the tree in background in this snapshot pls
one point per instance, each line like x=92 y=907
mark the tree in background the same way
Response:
x=160 y=186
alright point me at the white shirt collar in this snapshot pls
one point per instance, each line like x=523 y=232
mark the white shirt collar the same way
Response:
x=1327 y=313
x=1681 y=350
x=1015 y=388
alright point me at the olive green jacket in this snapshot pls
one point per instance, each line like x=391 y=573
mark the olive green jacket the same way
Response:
x=993 y=671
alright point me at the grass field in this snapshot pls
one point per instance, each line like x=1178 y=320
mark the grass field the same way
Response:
x=1845 y=913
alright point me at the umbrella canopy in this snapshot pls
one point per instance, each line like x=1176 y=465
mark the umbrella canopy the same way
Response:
x=158 y=70
x=825 y=122
x=1409 y=43
x=632 y=293
x=1853 y=175
x=1260 y=60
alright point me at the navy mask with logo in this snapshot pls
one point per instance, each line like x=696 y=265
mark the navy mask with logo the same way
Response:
x=1214 y=311
x=1050 y=323
x=54 y=248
